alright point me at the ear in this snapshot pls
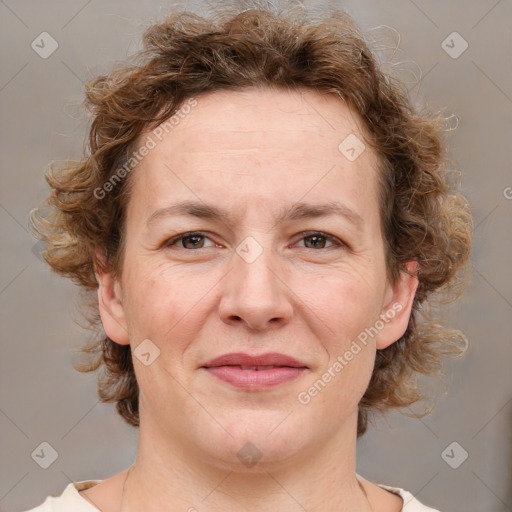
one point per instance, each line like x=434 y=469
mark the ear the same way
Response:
x=398 y=305
x=110 y=305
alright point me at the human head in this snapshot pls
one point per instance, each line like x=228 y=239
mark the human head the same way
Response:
x=187 y=56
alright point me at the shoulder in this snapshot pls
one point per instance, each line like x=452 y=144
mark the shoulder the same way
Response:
x=411 y=504
x=70 y=499
x=381 y=494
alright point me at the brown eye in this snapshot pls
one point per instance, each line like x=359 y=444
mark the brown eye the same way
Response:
x=315 y=242
x=319 y=241
x=189 y=241
x=193 y=242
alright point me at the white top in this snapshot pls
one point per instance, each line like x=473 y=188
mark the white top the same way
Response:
x=71 y=501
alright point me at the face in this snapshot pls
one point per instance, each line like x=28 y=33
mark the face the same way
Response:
x=252 y=229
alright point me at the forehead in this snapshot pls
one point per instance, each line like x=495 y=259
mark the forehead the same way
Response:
x=275 y=116
x=259 y=142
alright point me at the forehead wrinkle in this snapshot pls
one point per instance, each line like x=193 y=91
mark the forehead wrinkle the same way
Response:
x=287 y=213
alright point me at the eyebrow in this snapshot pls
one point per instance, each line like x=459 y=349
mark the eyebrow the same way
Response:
x=297 y=211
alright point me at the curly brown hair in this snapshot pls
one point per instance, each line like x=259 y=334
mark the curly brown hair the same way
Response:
x=422 y=215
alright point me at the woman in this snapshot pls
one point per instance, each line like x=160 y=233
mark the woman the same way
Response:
x=261 y=216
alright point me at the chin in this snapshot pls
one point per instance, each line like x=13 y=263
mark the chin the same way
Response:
x=257 y=442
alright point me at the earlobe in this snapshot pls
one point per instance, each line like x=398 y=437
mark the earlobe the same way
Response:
x=396 y=313
x=111 y=307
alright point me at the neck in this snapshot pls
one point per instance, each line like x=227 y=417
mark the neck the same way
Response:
x=318 y=479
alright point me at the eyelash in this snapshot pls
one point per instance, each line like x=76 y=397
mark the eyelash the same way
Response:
x=335 y=241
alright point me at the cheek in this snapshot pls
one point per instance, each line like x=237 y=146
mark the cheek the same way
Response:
x=166 y=303
x=345 y=302
x=347 y=305
x=155 y=302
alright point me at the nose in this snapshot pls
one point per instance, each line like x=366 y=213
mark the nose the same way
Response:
x=255 y=294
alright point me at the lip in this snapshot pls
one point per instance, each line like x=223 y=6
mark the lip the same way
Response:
x=252 y=372
x=242 y=359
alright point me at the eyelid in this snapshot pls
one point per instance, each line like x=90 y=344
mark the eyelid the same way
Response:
x=177 y=238
x=335 y=240
x=331 y=238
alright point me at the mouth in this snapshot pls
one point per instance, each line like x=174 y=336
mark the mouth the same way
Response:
x=255 y=373
x=253 y=368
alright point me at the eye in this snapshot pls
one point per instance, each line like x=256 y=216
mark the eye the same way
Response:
x=197 y=240
x=193 y=240
x=318 y=240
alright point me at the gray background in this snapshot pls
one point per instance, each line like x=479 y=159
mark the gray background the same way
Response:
x=43 y=399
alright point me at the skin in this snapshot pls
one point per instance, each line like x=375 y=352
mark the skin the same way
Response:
x=255 y=153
